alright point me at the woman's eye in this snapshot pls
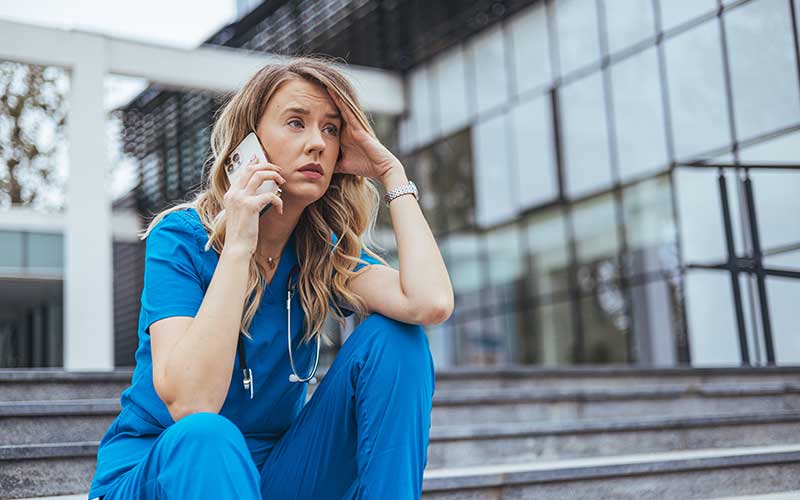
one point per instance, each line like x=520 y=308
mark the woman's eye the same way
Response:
x=334 y=128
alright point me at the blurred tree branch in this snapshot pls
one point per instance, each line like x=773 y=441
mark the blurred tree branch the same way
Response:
x=33 y=114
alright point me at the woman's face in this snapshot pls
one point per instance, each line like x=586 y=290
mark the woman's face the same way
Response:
x=301 y=125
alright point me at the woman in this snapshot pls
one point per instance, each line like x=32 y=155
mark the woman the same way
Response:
x=189 y=426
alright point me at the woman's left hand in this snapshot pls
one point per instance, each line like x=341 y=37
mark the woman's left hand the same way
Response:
x=362 y=153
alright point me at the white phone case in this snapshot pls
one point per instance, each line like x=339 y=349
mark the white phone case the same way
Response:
x=249 y=146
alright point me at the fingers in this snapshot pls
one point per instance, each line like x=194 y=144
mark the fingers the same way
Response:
x=243 y=178
x=266 y=198
x=259 y=177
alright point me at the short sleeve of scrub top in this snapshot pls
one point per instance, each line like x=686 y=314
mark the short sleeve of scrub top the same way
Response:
x=173 y=284
x=366 y=260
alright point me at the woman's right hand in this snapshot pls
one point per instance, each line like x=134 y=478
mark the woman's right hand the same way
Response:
x=243 y=205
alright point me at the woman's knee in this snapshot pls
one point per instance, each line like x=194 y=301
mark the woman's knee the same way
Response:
x=207 y=427
x=407 y=342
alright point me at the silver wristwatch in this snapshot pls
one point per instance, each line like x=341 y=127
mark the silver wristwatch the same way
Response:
x=409 y=188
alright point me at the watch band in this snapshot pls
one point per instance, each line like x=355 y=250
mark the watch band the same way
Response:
x=409 y=188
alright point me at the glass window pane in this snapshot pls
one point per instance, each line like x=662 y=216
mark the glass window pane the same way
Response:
x=548 y=253
x=494 y=199
x=605 y=325
x=784 y=260
x=504 y=249
x=596 y=234
x=713 y=338
x=455 y=181
x=783 y=295
x=578 y=41
x=697 y=90
x=484 y=341
x=676 y=12
x=462 y=255
x=656 y=321
x=628 y=22
x=11 y=249
x=451 y=89
x=45 y=250
x=531 y=48
x=586 y=157
x=424 y=168
x=639 y=115
x=650 y=228
x=700 y=220
x=553 y=334
x=488 y=58
x=763 y=67
x=534 y=161
x=421 y=126
x=777 y=201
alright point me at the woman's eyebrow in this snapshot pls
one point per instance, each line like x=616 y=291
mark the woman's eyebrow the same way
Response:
x=303 y=111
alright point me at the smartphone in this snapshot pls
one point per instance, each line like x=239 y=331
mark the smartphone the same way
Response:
x=240 y=157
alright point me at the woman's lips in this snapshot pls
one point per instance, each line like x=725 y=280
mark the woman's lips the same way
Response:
x=311 y=174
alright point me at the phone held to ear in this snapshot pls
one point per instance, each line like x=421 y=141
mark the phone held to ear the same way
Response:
x=240 y=157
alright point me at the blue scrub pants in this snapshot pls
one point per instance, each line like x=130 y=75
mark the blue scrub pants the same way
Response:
x=363 y=434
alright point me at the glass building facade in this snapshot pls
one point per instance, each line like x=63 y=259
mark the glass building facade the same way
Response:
x=609 y=181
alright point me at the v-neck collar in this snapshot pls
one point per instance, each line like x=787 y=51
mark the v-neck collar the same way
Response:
x=281 y=273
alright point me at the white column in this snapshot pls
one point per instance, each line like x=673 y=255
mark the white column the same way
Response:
x=88 y=301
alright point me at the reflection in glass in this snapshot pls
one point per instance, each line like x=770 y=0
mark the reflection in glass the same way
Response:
x=605 y=323
x=552 y=337
x=548 y=253
x=423 y=169
x=650 y=228
x=763 y=67
x=628 y=23
x=656 y=321
x=596 y=234
x=505 y=264
x=578 y=41
x=483 y=343
x=454 y=181
x=639 y=115
x=697 y=90
x=586 y=157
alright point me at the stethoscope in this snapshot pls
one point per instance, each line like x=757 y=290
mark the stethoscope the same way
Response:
x=294 y=377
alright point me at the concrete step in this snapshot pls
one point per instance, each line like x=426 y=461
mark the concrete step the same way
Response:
x=457 y=407
x=605 y=376
x=688 y=475
x=461 y=445
x=787 y=495
x=55 y=383
x=482 y=444
x=83 y=420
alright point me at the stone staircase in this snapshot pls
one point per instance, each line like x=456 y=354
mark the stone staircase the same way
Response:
x=577 y=433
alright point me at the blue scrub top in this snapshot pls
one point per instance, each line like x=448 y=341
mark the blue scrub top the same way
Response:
x=177 y=273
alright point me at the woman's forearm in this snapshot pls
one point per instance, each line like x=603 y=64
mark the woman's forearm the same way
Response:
x=199 y=367
x=423 y=274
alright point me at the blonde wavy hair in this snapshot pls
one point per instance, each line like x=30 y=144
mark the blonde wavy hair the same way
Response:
x=349 y=207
